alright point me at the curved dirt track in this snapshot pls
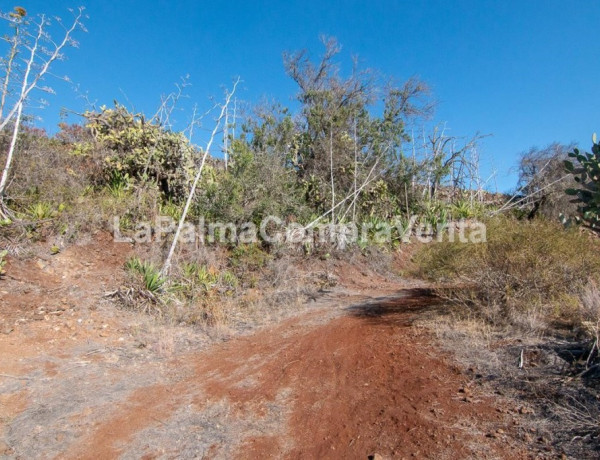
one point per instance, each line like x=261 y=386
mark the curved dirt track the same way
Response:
x=359 y=383
x=349 y=378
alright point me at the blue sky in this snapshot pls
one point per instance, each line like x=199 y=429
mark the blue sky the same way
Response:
x=526 y=72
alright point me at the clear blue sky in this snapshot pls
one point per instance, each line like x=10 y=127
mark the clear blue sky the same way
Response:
x=525 y=71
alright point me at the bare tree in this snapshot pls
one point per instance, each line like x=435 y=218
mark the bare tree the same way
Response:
x=543 y=180
x=447 y=161
x=31 y=53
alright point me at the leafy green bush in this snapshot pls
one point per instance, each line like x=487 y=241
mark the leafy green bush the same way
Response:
x=524 y=267
x=254 y=186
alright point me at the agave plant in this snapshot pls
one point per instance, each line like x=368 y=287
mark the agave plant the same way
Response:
x=170 y=209
x=229 y=279
x=206 y=277
x=189 y=270
x=463 y=209
x=436 y=215
x=41 y=210
x=3 y=254
x=118 y=184
x=151 y=278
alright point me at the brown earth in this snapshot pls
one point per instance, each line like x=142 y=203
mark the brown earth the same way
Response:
x=346 y=378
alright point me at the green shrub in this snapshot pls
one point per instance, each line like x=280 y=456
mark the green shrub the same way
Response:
x=253 y=187
x=524 y=267
x=248 y=257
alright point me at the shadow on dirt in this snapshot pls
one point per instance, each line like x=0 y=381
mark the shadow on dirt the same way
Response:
x=400 y=309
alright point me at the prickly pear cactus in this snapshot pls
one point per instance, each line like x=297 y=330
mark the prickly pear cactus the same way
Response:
x=586 y=171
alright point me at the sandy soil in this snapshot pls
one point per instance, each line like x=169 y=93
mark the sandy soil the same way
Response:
x=348 y=377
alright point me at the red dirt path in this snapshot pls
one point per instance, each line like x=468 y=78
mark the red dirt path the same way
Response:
x=349 y=379
x=345 y=387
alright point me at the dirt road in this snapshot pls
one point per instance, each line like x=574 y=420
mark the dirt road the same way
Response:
x=348 y=379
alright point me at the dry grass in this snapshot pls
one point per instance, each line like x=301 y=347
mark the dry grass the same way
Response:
x=590 y=310
x=222 y=288
x=558 y=405
x=528 y=274
x=526 y=322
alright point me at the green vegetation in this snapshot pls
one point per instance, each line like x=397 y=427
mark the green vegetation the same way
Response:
x=336 y=152
x=345 y=156
x=587 y=175
x=135 y=149
x=3 y=254
x=150 y=276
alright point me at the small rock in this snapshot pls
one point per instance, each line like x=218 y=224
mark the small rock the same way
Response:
x=375 y=457
x=39 y=315
x=525 y=410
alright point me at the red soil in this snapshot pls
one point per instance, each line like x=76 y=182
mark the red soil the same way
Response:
x=336 y=382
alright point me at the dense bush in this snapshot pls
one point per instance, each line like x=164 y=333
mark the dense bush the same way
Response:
x=526 y=269
x=141 y=150
x=253 y=187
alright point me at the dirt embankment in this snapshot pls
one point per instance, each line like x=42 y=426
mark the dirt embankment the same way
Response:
x=349 y=378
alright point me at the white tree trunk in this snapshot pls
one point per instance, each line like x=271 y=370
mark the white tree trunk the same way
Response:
x=167 y=265
x=332 y=183
x=11 y=152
